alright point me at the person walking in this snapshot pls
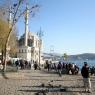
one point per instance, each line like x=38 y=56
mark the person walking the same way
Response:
x=59 y=67
x=86 y=77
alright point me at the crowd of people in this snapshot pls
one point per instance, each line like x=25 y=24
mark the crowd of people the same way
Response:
x=24 y=64
x=86 y=71
x=62 y=67
x=20 y=64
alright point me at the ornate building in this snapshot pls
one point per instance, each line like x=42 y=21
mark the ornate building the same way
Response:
x=31 y=51
x=29 y=44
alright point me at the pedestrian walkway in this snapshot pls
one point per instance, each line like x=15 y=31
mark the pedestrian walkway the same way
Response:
x=32 y=82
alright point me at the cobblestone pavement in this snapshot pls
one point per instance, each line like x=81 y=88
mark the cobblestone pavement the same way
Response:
x=29 y=82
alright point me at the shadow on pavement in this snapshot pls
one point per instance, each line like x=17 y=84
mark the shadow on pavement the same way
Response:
x=66 y=87
x=42 y=76
x=50 y=88
x=4 y=75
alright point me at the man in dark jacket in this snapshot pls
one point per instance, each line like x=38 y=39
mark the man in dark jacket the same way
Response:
x=86 y=77
x=59 y=67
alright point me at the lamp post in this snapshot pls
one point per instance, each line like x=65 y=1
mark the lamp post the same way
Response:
x=40 y=34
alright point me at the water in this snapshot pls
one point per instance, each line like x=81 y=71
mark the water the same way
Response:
x=80 y=63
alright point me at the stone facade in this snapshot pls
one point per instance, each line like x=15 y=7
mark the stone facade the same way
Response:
x=31 y=51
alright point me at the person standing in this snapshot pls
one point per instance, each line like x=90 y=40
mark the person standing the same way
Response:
x=17 y=64
x=86 y=77
x=35 y=65
x=47 y=65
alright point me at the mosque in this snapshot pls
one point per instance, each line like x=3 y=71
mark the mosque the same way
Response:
x=30 y=44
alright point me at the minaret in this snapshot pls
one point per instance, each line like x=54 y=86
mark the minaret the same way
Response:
x=25 y=55
x=26 y=24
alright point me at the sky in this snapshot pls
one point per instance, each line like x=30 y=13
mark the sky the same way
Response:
x=68 y=25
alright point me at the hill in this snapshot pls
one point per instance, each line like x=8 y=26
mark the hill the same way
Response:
x=84 y=56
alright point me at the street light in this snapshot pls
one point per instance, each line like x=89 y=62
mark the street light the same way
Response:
x=40 y=34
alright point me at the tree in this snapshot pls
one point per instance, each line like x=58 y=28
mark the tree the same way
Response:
x=16 y=8
x=13 y=43
x=65 y=56
x=4 y=29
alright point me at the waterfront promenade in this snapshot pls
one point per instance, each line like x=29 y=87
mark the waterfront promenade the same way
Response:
x=30 y=82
